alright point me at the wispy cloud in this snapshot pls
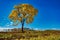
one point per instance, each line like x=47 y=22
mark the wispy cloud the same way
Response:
x=4 y=27
x=54 y=28
x=9 y=24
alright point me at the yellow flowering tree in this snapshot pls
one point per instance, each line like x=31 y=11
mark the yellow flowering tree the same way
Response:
x=23 y=13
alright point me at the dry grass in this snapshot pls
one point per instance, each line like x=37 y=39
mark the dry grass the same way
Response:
x=32 y=35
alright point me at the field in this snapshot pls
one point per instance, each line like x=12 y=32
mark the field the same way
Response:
x=31 y=35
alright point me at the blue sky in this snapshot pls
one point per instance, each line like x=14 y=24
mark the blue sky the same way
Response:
x=48 y=16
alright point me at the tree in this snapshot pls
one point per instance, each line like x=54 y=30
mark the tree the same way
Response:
x=23 y=13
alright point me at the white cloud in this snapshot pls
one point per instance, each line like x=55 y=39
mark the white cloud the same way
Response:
x=2 y=28
x=11 y=23
x=5 y=28
x=36 y=28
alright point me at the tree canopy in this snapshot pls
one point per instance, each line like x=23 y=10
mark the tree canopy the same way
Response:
x=23 y=12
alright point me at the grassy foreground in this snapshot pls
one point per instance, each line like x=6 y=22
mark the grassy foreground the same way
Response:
x=31 y=35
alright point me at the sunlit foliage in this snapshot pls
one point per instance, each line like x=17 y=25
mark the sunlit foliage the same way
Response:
x=23 y=12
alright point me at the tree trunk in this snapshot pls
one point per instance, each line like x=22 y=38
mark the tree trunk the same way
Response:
x=22 y=25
